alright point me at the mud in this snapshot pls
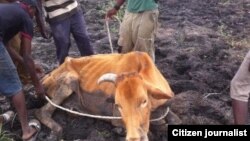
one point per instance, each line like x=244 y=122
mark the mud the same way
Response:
x=199 y=47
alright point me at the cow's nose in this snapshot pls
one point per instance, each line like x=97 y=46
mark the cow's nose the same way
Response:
x=138 y=139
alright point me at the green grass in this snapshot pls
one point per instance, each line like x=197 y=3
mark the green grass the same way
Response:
x=233 y=41
x=4 y=135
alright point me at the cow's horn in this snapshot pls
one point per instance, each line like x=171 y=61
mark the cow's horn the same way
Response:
x=107 y=77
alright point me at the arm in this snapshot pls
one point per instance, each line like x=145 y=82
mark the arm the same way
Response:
x=114 y=10
x=119 y=2
x=16 y=57
x=40 y=20
x=30 y=66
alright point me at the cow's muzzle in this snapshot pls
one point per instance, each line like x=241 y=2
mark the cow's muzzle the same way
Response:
x=144 y=138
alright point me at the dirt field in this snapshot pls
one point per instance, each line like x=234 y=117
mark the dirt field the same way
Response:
x=199 y=47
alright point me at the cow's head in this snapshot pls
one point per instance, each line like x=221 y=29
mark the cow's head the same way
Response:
x=133 y=99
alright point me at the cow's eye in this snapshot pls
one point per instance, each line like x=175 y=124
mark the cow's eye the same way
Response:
x=144 y=103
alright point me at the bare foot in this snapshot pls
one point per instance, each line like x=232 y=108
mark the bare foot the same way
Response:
x=32 y=131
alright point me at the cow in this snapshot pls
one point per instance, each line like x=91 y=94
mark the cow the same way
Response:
x=132 y=80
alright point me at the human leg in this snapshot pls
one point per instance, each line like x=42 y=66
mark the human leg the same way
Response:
x=61 y=36
x=125 y=34
x=18 y=101
x=78 y=29
x=144 y=34
x=239 y=92
x=11 y=86
x=240 y=112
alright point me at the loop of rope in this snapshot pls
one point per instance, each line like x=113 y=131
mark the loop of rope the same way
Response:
x=98 y=116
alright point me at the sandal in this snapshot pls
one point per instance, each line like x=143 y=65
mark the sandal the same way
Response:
x=6 y=117
x=36 y=125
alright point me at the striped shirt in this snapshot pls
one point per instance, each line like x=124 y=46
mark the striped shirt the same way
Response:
x=58 y=10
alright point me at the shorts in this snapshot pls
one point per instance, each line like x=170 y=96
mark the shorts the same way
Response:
x=137 y=32
x=9 y=81
x=240 y=84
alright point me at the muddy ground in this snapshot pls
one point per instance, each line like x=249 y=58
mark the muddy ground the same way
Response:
x=199 y=47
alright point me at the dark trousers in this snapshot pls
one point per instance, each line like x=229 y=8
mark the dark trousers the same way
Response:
x=61 y=34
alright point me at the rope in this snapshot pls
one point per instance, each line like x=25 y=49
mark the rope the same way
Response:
x=109 y=35
x=161 y=117
x=110 y=42
x=98 y=116
x=81 y=114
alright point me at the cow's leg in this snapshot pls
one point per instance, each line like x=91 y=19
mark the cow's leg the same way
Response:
x=44 y=114
x=65 y=88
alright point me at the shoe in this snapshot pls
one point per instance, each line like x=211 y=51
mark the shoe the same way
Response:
x=36 y=125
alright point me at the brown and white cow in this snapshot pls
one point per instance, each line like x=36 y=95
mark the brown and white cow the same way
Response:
x=132 y=79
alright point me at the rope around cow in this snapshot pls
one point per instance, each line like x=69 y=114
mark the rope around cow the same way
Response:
x=101 y=117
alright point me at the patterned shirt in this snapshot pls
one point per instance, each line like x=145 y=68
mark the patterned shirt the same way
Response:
x=58 y=10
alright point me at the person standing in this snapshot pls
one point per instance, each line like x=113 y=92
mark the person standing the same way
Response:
x=139 y=25
x=14 y=48
x=65 y=17
x=19 y=19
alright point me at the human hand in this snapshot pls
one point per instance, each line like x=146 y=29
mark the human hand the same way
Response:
x=39 y=71
x=38 y=100
x=111 y=13
x=40 y=92
x=46 y=34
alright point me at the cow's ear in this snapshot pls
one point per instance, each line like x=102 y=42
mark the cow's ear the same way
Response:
x=157 y=93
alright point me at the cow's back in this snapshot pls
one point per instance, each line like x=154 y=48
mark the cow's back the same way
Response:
x=89 y=69
x=94 y=67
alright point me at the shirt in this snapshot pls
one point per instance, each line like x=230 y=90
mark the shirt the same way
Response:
x=58 y=10
x=136 y=6
x=14 y=19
